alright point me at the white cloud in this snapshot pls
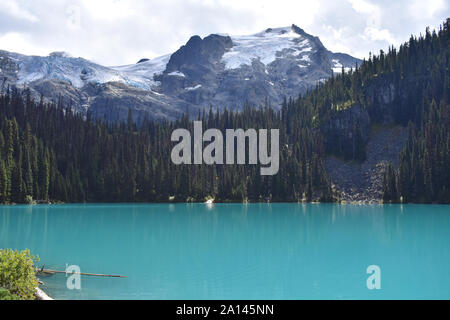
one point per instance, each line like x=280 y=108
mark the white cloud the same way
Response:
x=15 y=10
x=421 y=10
x=109 y=10
x=19 y=42
x=379 y=34
x=373 y=12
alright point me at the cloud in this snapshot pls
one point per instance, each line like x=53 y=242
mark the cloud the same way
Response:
x=372 y=11
x=379 y=34
x=22 y=41
x=422 y=10
x=114 y=32
x=15 y=10
x=358 y=27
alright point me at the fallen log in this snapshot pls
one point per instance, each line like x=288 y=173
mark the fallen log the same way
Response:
x=51 y=272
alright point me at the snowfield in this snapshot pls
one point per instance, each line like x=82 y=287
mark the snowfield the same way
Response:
x=62 y=66
x=265 y=46
x=79 y=72
x=141 y=74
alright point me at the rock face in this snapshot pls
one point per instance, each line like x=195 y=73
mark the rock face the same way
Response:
x=229 y=71
x=349 y=118
x=219 y=70
x=363 y=182
x=347 y=127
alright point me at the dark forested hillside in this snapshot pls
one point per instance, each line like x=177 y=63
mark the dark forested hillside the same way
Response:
x=47 y=152
x=409 y=87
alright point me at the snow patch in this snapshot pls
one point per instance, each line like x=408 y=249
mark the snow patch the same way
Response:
x=305 y=58
x=177 y=74
x=337 y=66
x=193 y=88
x=264 y=47
x=336 y=63
x=339 y=70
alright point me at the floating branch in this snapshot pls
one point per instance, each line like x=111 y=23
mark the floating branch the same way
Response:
x=51 y=272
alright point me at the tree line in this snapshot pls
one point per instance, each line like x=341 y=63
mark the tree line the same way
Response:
x=49 y=152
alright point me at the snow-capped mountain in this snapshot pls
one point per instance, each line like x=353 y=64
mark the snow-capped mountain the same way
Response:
x=219 y=70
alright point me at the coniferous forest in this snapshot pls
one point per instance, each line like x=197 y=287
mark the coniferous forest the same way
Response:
x=49 y=153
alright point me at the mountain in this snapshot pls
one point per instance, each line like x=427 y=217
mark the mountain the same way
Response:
x=379 y=133
x=219 y=70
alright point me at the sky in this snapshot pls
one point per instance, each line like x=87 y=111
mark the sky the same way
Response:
x=119 y=32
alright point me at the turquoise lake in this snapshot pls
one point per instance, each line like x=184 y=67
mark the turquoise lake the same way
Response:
x=236 y=251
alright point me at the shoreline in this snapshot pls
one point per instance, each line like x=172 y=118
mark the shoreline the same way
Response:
x=340 y=202
x=41 y=295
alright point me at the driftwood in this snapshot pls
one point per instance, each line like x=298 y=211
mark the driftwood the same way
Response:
x=51 y=272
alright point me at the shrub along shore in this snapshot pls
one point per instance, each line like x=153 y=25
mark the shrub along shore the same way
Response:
x=18 y=279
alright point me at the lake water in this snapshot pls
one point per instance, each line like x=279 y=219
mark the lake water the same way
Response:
x=236 y=251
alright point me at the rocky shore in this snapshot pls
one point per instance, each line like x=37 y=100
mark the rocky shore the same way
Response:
x=41 y=295
x=363 y=182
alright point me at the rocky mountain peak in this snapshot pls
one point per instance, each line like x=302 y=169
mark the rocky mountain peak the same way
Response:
x=199 y=51
x=219 y=70
x=298 y=30
x=143 y=60
x=60 y=54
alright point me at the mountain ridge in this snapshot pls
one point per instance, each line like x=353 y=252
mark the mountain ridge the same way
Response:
x=218 y=70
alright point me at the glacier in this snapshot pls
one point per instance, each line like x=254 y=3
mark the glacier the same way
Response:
x=264 y=46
